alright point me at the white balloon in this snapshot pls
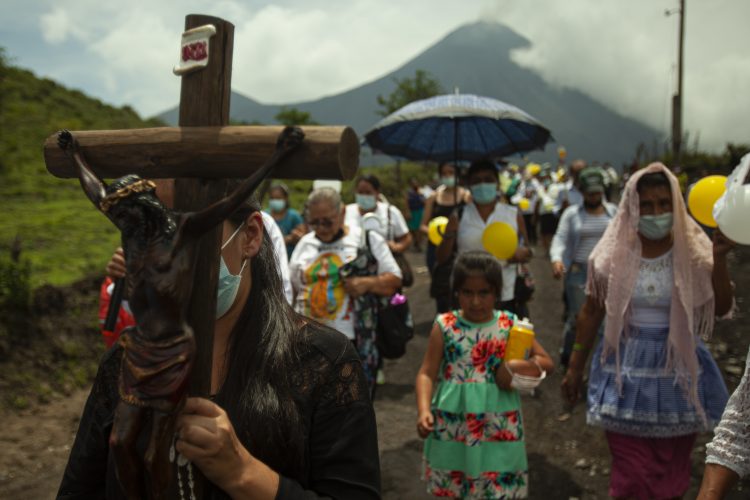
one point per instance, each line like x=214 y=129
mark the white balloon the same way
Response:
x=732 y=210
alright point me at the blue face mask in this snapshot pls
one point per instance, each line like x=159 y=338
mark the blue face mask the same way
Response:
x=228 y=283
x=366 y=201
x=276 y=205
x=484 y=192
x=655 y=227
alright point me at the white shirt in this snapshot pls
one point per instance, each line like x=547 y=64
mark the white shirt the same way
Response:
x=529 y=190
x=314 y=268
x=552 y=192
x=651 y=301
x=397 y=229
x=470 y=230
x=730 y=446
x=279 y=249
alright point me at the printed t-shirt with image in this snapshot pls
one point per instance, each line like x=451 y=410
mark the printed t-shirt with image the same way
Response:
x=315 y=272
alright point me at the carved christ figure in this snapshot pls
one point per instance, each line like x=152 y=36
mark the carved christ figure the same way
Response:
x=160 y=247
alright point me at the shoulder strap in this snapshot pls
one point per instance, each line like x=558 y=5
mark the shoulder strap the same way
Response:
x=367 y=241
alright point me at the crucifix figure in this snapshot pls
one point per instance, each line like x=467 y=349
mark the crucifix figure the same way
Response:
x=175 y=307
x=160 y=248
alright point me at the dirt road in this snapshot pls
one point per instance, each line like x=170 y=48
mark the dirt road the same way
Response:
x=567 y=458
x=553 y=446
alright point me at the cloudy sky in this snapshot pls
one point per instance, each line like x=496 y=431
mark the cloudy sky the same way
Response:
x=621 y=52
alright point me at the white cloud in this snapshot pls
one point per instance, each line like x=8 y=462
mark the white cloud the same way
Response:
x=624 y=54
x=316 y=49
x=621 y=53
x=136 y=63
x=57 y=25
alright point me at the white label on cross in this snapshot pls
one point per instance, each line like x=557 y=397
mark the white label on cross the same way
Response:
x=194 y=49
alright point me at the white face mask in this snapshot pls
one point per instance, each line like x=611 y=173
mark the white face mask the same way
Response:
x=448 y=181
x=524 y=383
x=366 y=201
x=229 y=283
x=655 y=227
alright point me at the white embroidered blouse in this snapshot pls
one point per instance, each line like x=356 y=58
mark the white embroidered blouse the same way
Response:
x=730 y=446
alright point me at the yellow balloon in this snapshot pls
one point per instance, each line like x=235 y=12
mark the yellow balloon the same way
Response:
x=533 y=168
x=703 y=196
x=436 y=230
x=500 y=240
x=524 y=204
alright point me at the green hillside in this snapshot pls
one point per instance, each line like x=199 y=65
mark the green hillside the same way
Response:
x=62 y=235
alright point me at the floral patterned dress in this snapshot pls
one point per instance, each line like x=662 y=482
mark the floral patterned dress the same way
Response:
x=477 y=448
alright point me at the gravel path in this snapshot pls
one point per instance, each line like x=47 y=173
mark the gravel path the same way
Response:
x=567 y=459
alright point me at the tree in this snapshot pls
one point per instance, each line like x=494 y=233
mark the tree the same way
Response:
x=407 y=90
x=422 y=86
x=293 y=116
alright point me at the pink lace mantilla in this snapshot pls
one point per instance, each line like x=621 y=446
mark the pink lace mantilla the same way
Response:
x=614 y=265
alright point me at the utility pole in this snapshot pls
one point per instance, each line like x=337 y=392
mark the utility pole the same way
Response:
x=677 y=97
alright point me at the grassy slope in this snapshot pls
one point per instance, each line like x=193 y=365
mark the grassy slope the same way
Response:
x=62 y=235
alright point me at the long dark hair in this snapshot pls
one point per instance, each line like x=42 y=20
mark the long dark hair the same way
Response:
x=262 y=355
x=370 y=179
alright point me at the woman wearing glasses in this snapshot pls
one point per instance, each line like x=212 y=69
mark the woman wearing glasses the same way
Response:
x=325 y=287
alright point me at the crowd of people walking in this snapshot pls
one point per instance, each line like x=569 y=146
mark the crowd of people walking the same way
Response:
x=642 y=285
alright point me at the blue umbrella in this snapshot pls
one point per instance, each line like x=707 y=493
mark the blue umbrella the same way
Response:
x=457 y=127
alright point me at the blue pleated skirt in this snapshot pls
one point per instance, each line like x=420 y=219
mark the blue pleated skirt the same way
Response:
x=650 y=402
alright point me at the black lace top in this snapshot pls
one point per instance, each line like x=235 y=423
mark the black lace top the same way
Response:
x=341 y=449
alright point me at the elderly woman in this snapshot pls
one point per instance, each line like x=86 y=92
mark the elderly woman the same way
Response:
x=653 y=384
x=274 y=373
x=324 y=271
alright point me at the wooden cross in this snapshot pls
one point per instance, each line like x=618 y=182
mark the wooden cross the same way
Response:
x=193 y=162
x=199 y=156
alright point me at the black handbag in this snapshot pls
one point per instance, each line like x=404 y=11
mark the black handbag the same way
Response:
x=395 y=327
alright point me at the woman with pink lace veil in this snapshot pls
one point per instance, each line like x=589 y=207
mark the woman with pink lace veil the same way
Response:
x=653 y=385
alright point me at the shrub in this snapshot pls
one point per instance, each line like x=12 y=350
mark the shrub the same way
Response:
x=15 y=295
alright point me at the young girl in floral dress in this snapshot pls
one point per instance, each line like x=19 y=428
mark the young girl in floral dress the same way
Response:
x=474 y=428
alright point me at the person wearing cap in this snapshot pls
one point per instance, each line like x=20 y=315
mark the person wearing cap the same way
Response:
x=579 y=230
x=289 y=220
